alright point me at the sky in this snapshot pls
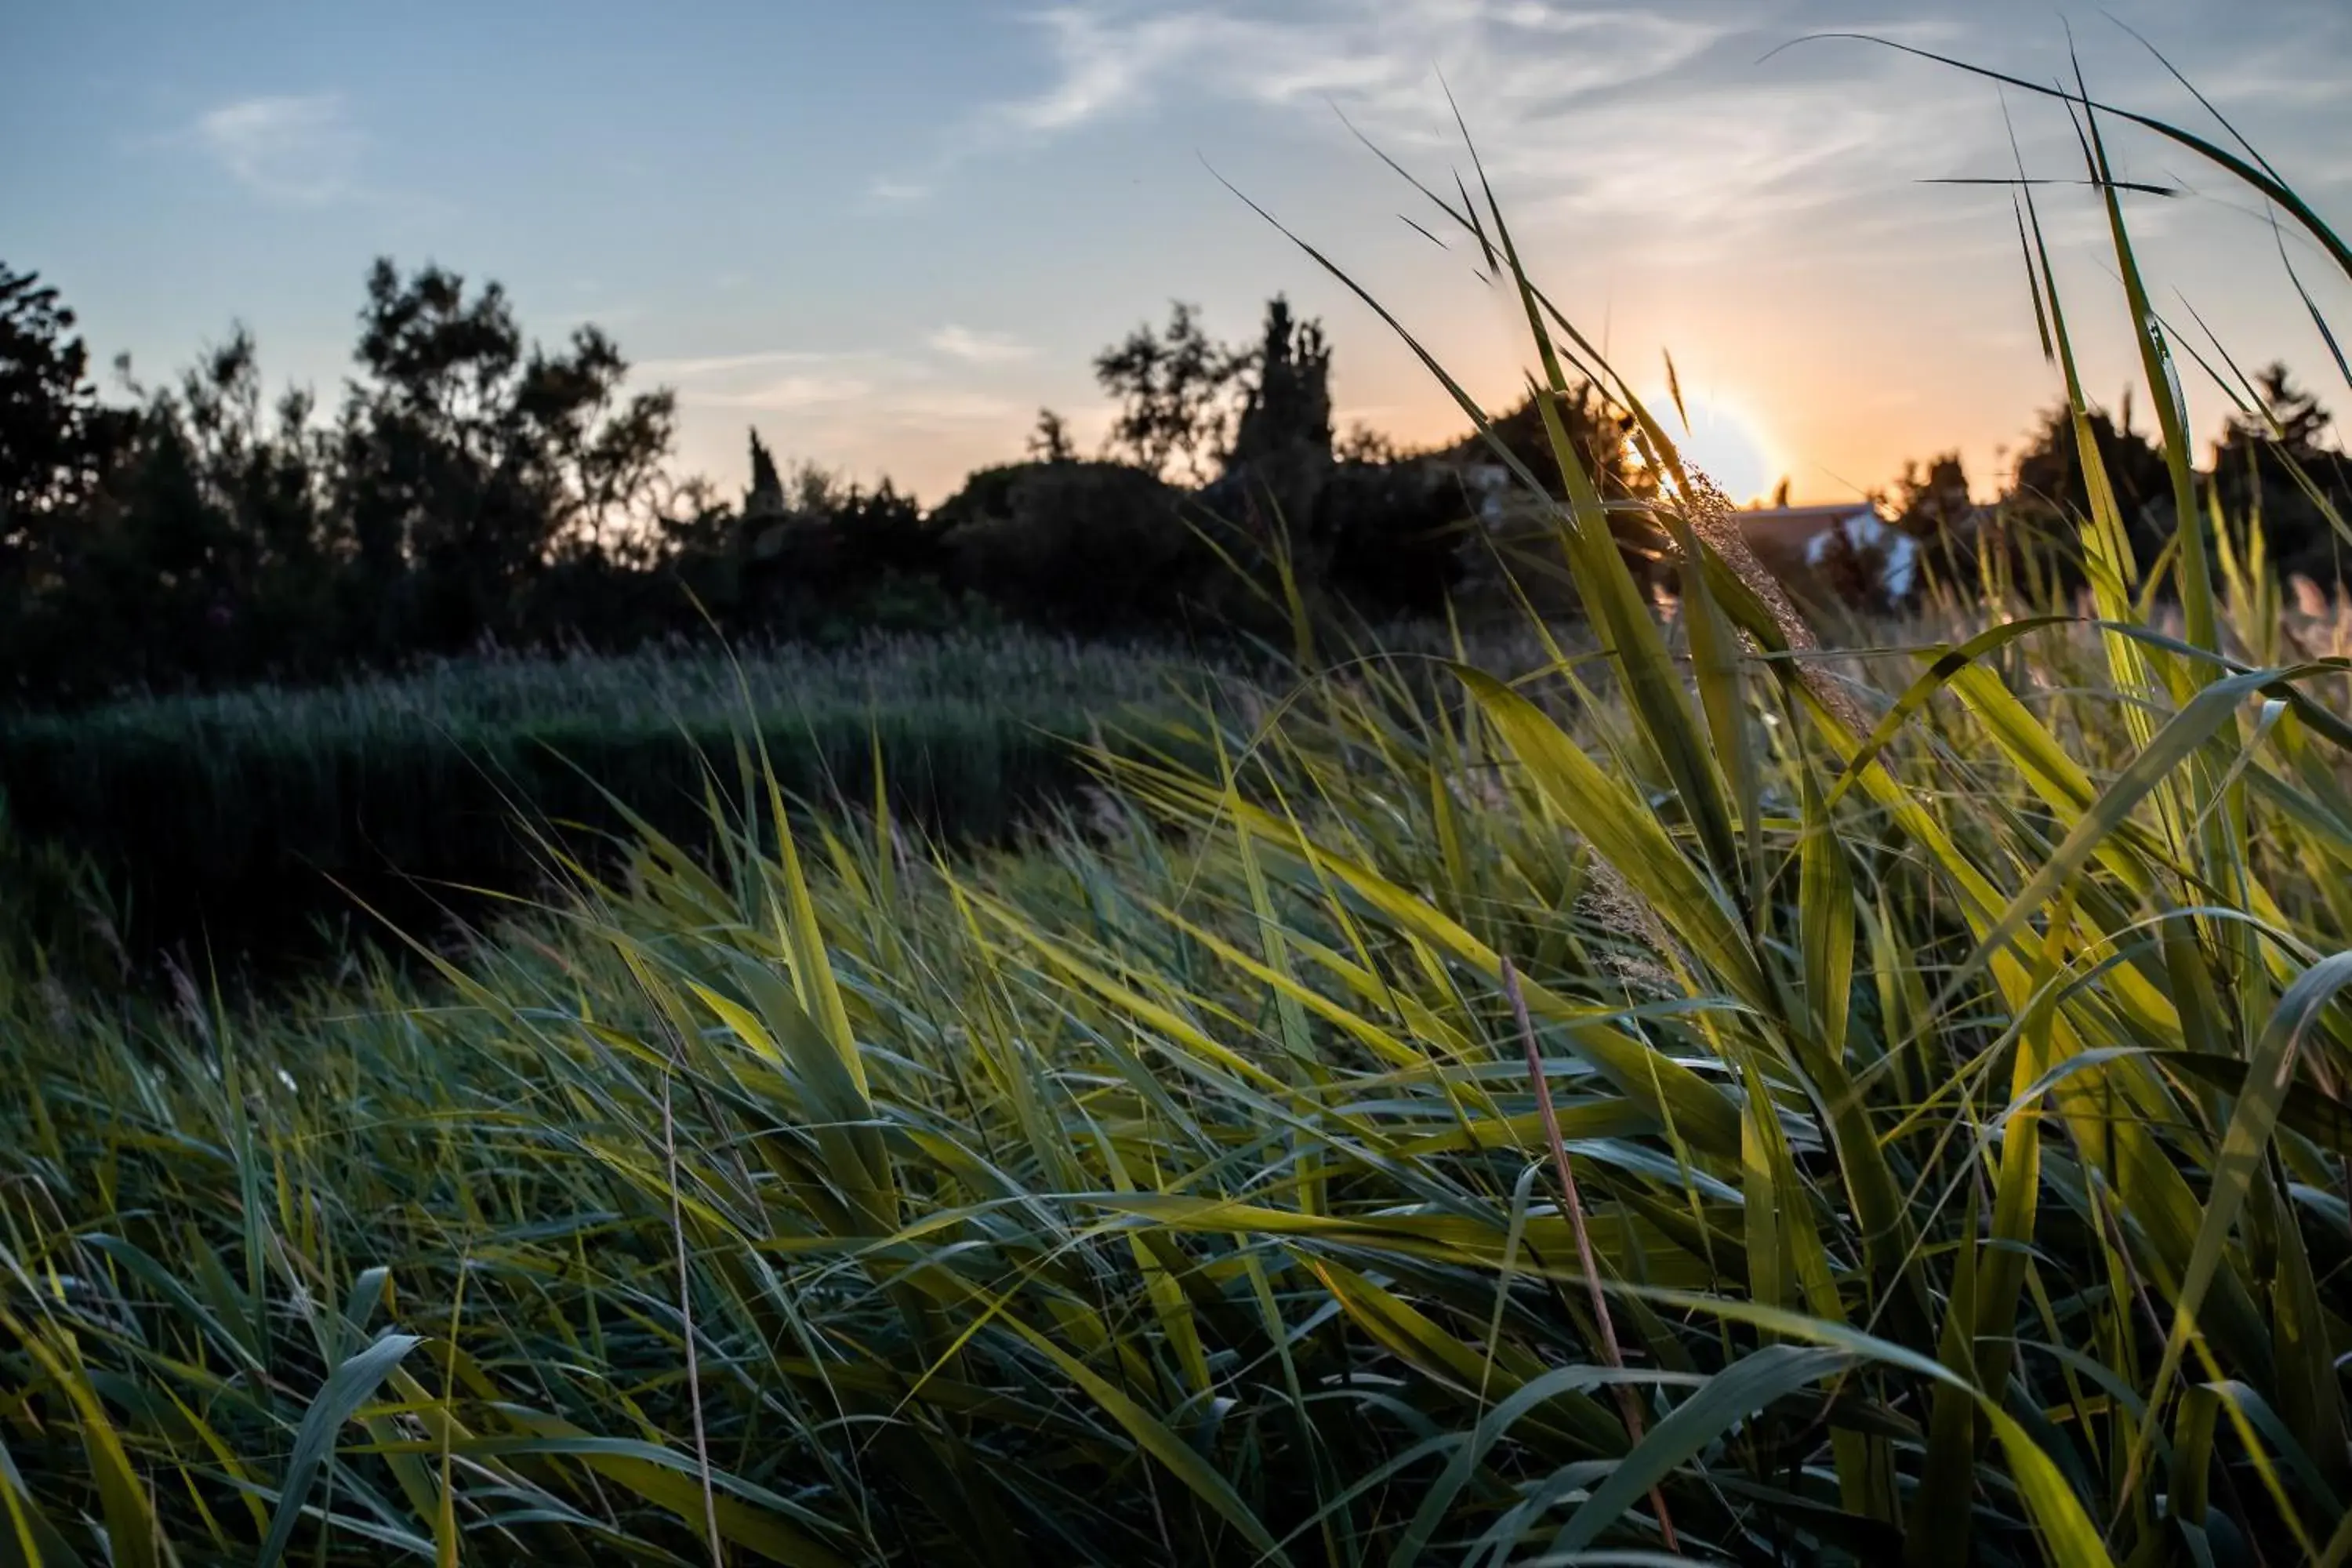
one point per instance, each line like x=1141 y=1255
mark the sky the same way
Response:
x=887 y=233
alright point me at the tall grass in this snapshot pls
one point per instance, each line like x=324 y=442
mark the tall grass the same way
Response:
x=1692 y=1102
x=212 y=813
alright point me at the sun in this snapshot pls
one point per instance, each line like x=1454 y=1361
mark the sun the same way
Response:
x=1723 y=441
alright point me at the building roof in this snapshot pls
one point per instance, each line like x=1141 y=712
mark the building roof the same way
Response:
x=1821 y=511
x=1793 y=540
x=1793 y=526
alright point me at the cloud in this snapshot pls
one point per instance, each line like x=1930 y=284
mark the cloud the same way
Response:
x=1378 y=54
x=923 y=406
x=839 y=392
x=708 y=365
x=1517 y=66
x=788 y=394
x=1101 y=67
x=301 y=148
x=979 y=348
x=1665 y=113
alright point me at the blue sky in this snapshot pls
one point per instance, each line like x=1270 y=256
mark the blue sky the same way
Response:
x=886 y=232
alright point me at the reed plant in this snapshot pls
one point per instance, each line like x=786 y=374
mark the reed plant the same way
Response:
x=210 y=814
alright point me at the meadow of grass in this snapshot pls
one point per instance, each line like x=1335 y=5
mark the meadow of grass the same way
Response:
x=1700 y=1101
x=208 y=813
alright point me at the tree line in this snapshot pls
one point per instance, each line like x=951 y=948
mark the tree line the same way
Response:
x=472 y=487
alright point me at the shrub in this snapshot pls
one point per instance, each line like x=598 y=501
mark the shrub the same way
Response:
x=1393 y=536
x=1092 y=547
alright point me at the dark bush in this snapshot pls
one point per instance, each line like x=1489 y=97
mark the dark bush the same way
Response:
x=1089 y=547
x=1391 y=535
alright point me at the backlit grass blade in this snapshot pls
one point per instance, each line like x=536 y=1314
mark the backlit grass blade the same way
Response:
x=1825 y=921
x=1669 y=1090
x=2196 y=574
x=1621 y=828
x=1715 y=670
x=1946 y=665
x=2189 y=731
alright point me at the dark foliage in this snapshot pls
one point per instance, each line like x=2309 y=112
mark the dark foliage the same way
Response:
x=238 y=837
x=1087 y=546
x=1280 y=462
x=2270 y=462
x=205 y=536
x=1288 y=405
x=1050 y=442
x=1524 y=545
x=1393 y=533
x=1596 y=427
x=1932 y=503
x=2050 y=491
x=54 y=437
x=1174 y=390
x=471 y=488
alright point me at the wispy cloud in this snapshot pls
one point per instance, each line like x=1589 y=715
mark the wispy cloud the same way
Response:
x=1101 y=65
x=704 y=366
x=951 y=405
x=788 y=394
x=1378 y=54
x=1549 y=83
x=840 y=392
x=1596 y=109
x=303 y=149
x=980 y=348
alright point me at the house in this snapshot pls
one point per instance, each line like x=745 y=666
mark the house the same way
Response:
x=1801 y=544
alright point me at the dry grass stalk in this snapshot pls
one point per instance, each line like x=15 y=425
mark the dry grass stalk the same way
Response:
x=1628 y=1402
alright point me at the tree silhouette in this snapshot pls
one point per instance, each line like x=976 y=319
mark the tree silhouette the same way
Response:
x=1173 y=389
x=1280 y=462
x=766 y=496
x=469 y=485
x=1287 y=407
x=2050 y=486
x=467 y=460
x=1050 y=442
x=1933 y=502
x=2273 y=460
x=1363 y=444
x=54 y=438
x=1596 y=431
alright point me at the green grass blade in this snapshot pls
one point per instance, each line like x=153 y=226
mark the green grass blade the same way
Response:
x=347 y=1388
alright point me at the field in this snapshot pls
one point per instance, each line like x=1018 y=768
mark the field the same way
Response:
x=1709 y=1099
x=234 y=821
